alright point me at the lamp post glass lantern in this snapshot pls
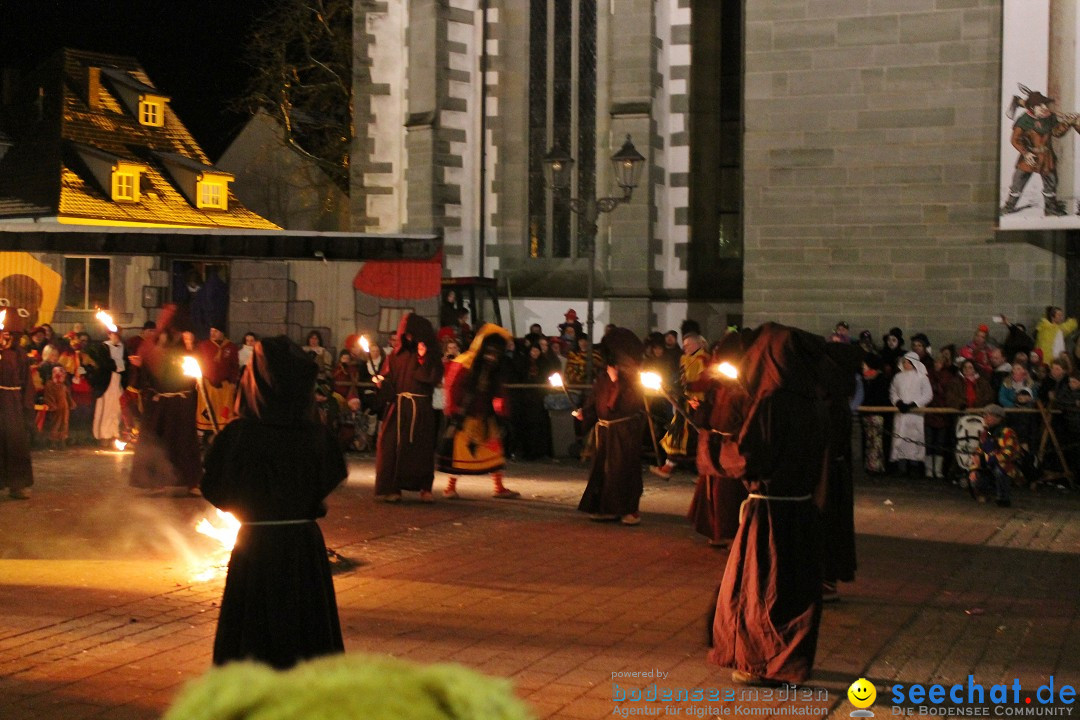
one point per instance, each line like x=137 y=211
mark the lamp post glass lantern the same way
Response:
x=558 y=172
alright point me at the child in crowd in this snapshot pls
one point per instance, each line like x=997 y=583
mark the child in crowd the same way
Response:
x=59 y=402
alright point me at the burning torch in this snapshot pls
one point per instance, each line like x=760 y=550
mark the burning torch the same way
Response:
x=191 y=369
x=556 y=381
x=366 y=347
x=107 y=321
x=652 y=381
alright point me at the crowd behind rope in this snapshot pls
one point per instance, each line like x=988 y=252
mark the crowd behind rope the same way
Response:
x=91 y=390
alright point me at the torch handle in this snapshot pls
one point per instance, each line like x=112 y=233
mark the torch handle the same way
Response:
x=679 y=409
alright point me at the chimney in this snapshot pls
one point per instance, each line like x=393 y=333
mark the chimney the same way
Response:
x=93 y=87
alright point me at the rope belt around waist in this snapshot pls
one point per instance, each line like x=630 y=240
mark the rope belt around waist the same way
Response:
x=779 y=498
x=158 y=396
x=267 y=523
x=609 y=423
x=412 y=421
x=14 y=388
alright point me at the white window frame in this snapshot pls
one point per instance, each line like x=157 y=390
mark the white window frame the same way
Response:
x=151 y=111
x=125 y=186
x=86 y=279
x=212 y=193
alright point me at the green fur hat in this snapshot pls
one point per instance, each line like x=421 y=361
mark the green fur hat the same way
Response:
x=347 y=687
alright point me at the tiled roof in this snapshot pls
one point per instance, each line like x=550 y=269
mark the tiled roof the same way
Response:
x=44 y=168
x=20 y=208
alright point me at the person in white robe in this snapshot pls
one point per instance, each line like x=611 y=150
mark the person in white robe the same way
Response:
x=910 y=388
x=108 y=415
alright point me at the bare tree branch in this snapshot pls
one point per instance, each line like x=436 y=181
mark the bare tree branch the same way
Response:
x=301 y=55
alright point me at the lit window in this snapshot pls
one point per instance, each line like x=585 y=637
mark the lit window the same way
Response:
x=212 y=194
x=125 y=186
x=152 y=112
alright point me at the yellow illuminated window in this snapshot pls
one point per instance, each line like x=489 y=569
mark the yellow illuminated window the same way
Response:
x=152 y=112
x=125 y=186
x=212 y=194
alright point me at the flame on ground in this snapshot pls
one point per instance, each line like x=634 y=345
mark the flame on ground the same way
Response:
x=224 y=532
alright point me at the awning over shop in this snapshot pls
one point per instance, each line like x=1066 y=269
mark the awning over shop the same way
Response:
x=225 y=244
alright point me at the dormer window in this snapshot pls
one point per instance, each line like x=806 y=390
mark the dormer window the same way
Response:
x=213 y=193
x=125 y=182
x=152 y=110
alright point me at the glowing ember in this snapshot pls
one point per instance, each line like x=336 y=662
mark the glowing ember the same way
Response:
x=224 y=533
x=556 y=380
x=364 y=344
x=191 y=367
x=651 y=381
x=727 y=370
x=106 y=320
x=119 y=444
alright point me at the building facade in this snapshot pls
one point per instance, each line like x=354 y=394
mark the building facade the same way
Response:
x=807 y=161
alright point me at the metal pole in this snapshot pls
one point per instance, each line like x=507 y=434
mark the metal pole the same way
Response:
x=589 y=311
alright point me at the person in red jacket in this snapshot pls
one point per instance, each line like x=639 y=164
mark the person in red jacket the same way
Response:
x=474 y=400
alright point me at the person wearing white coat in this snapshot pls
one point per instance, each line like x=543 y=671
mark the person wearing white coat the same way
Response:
x=910 y=388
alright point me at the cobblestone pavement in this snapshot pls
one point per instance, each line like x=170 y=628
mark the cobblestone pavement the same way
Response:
x=101 y=614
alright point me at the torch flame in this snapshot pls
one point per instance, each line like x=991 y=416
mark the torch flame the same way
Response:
x=106 y=320
x=3 y=316
x=224 y=533
x=556 y=380
x=727 y=370
x=364 y=344
x=651 y=381
x=119 y=444
x=191 y=367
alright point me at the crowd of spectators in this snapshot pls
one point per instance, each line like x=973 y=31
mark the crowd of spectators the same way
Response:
x=88 y=391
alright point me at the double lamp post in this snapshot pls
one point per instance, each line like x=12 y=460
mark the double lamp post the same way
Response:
x=558 y=171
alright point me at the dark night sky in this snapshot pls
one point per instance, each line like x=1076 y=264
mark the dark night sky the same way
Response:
x=191 y=49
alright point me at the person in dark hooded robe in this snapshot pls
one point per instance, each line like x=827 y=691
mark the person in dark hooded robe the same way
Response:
x=272 y=469
x=472 y=444
x=836 y=496
x=167 y=454
x=768 y=610
x=405 y=450
x=714 y=509
x=16 y=398
x=615 y=413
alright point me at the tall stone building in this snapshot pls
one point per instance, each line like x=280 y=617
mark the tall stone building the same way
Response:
x=807 y=160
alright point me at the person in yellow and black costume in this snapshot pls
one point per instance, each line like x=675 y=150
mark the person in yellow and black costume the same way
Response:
x=679 y=443
x=472 y=443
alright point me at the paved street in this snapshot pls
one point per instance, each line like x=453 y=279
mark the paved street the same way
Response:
x=101 y=614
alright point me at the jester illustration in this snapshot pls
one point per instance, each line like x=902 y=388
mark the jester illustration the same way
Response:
x=1032 y=135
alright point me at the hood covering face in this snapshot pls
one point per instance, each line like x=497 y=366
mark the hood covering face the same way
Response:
x=623 y=348
x=488 y=333
x=777 y=357
x=415 y=329
x=279 y=386
x=912 y=358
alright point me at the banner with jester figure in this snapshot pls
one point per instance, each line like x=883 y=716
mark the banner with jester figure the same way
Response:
x=1039 y=173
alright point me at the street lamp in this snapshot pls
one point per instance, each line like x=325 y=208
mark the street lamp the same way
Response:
x=627 y=164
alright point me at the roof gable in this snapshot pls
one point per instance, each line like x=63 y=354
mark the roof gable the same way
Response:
x=90 y=118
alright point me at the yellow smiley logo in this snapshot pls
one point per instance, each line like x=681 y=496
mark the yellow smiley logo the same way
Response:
x=862 y=693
